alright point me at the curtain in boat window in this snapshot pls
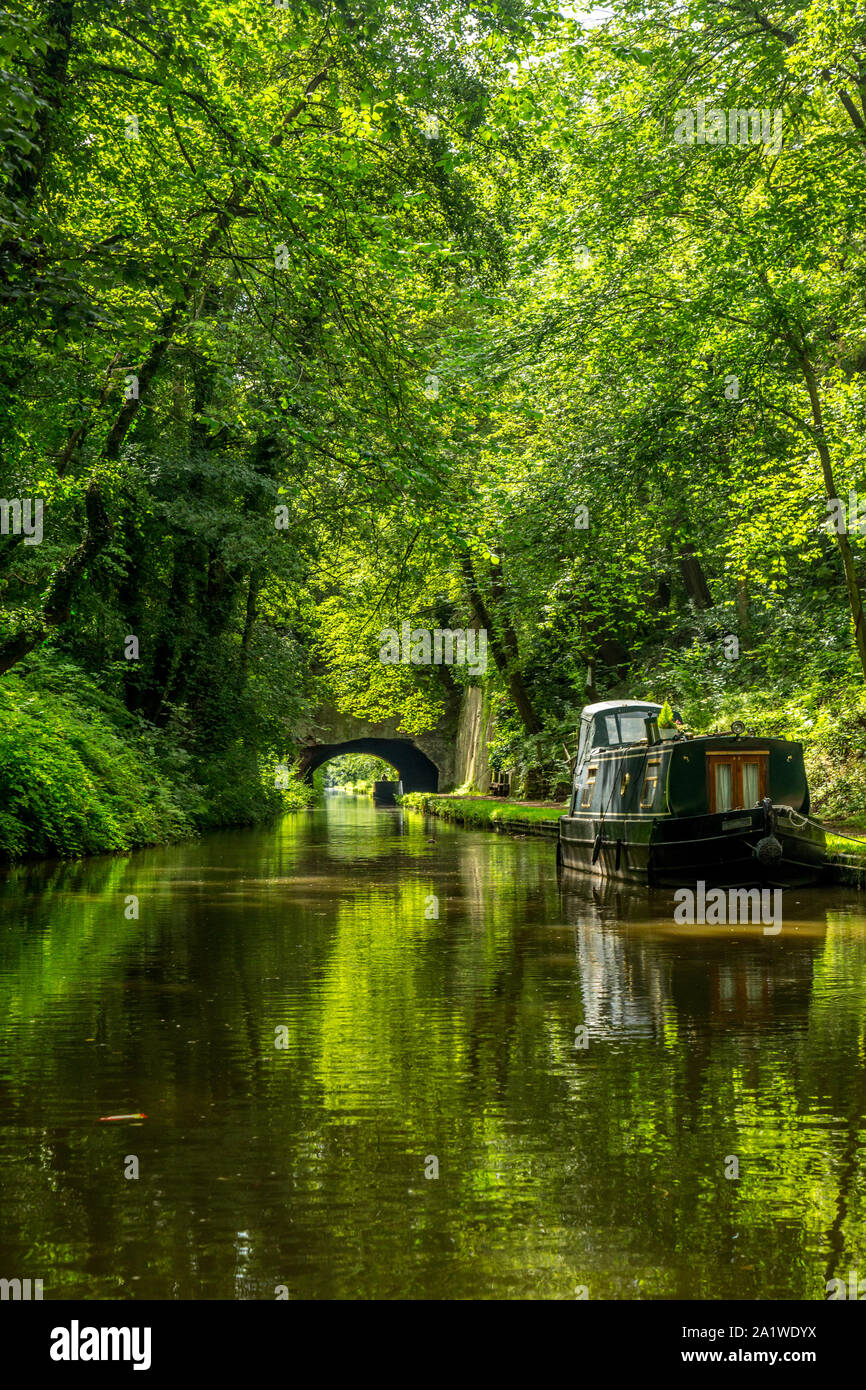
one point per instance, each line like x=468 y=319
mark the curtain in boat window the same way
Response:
x=723 y=786
x=750 y=783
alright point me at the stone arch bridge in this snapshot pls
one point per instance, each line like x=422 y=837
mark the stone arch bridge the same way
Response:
x=432 y=761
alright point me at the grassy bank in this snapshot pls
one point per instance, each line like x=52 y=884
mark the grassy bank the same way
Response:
x=81 y=775
x=481 y=810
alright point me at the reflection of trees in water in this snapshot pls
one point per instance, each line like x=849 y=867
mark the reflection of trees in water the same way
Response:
x=768 y=1052
x=507 y=886
x=838 y=1084
x=451 y=1036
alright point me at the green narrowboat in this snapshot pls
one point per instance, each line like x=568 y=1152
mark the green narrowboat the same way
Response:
x=669 y=809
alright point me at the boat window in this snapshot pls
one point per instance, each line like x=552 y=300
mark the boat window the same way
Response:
x=588 y=790
x=623 y=786
x=723 y=786
x=633 y=727
x=612 y=728
x=736 y=780
x=651 y=781
x=751 y=783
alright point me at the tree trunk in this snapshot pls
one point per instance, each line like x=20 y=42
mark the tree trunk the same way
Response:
x=694 y=578
x=507 y=669
x=249 y=623
x=744 y=617
x=591 y=689
x=852 y=584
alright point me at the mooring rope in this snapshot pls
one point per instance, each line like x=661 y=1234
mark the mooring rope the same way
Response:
x=799 y=821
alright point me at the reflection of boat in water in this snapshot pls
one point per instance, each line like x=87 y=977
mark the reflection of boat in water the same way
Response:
x=636 y=964
x=727 y=809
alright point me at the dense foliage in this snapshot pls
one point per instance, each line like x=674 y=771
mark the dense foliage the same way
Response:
x=355 y=771
x=317 y=318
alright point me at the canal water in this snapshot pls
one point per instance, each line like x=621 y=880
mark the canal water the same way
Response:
x=545 y=1089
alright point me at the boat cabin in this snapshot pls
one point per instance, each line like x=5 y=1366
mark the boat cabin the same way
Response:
x=613 y=723
x=670 y=808
x=625 y=769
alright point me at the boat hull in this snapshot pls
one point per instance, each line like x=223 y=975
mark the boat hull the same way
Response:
x=675 y=851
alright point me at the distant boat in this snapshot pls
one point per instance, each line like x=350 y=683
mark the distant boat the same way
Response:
x=670 y=810
x=386 y=793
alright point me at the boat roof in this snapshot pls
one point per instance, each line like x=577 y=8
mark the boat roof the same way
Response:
x=607 y=706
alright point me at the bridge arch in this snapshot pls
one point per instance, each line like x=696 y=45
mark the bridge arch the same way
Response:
x=416 y=771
